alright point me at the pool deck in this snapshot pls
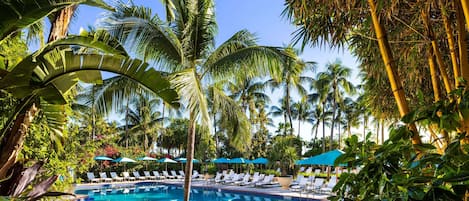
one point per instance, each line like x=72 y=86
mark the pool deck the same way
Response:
x=276 y=191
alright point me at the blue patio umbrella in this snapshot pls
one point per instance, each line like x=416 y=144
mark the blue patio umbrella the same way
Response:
x=146 y=158
x=102 y=158
x=238 y=161
x=184 y=160
x=326 y=158
x=166 y=161
x=124 y=160
x=262 y=161
x=221 y=160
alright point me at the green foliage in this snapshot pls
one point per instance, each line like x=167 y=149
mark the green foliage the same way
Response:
x=13 y=50
x=395 y=171
x=283 y=153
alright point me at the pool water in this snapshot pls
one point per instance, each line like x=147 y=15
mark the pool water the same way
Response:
x=174 y=193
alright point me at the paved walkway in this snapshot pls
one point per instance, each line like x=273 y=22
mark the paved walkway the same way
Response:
x=204 y=184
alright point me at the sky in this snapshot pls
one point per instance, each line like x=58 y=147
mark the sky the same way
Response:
x=262 y=17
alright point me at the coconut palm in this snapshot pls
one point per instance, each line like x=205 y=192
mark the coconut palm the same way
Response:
x=292 y=78
x=301 y=111
x=336 y=80
x=184 y=45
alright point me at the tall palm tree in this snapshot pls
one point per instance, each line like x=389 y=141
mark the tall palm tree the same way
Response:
x=336 y=77
x=185 y=46
x=301 y=111
x=292 y=78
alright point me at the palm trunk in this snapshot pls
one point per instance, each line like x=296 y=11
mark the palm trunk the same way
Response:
x=299 y=125
x=59 y=27
x=382 y=131
x=451 y=43
x=333 y=118
x=323 y=131
x=377 y=132
x=391 y=69
x=12 y=141
x=189 y=156
x=288 y=108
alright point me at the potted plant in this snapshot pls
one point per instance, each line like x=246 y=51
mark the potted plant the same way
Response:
x=284 y=154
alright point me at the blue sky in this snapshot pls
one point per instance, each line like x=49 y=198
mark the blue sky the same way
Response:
x=262 y=17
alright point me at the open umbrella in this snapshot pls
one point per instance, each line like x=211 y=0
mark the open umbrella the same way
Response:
x=146 y=158
x=326 y=158
x=166 y=161
x=262 y=161
x=221 y=160
x=102 y=158
x=124 y=160
x=238 y=161
x=184 y=160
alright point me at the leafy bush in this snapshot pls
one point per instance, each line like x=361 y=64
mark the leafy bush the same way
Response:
x=395 y=171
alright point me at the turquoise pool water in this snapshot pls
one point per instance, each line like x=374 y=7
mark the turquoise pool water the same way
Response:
x=154 y=192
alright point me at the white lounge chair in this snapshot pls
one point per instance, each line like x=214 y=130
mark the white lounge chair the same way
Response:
x=91 y=177
x=196 y=175
x=245 y=180
x=302 y=181
x=127 y=176
x=148 y=176
x=173 y=173
x=137 y=175
x=182 y=173
x=115 y=177
x=104 y=177
x=268 y=180
x=158 y=176
x=329 y=186
x=165 y=173
x=297 y=180
x=235 y=178
x=317 y=185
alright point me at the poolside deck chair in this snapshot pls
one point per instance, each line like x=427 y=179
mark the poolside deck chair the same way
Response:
x=127 y=176
x=182 y=173
x=329 y=186
x=196 y=175
x=297 y=180
x=268 y=180
x=91 y=177
x=317 y=172
x=148 y=176
x=137 y=175
x=217 y=178
x=165 y=173
x=235 y=178
x=309 y=170
x=317 y=185
x=173 y=173
x=244 y=180
x=103 y=177
x=115 y=177
x=302 y=182
x=158 y=176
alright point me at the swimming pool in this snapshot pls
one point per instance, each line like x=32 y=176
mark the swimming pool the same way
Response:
x=157 y=192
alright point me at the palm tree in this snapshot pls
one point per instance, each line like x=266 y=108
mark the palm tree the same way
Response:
x=185 y=45
x=301 y=111
x=292 y=78
x=336 y=77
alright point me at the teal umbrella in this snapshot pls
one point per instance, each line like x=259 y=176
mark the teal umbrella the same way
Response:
x=326 y=158
x=124 y=160
x=238 y=161
x=184 y=160
x=146 y=158
x=221 y=160
x=102 y=158
x=166 y=161
x=262 y=161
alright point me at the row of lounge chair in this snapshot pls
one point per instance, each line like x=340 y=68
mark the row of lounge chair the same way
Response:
x=312 y=184
x=103 y=177
x=245 y=179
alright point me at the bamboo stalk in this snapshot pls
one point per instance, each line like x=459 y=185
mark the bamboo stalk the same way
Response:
x=463 y=57
x=434 y=76
x=391 y=68
x=436 y=51
x=437 y=141
x=451 y=43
